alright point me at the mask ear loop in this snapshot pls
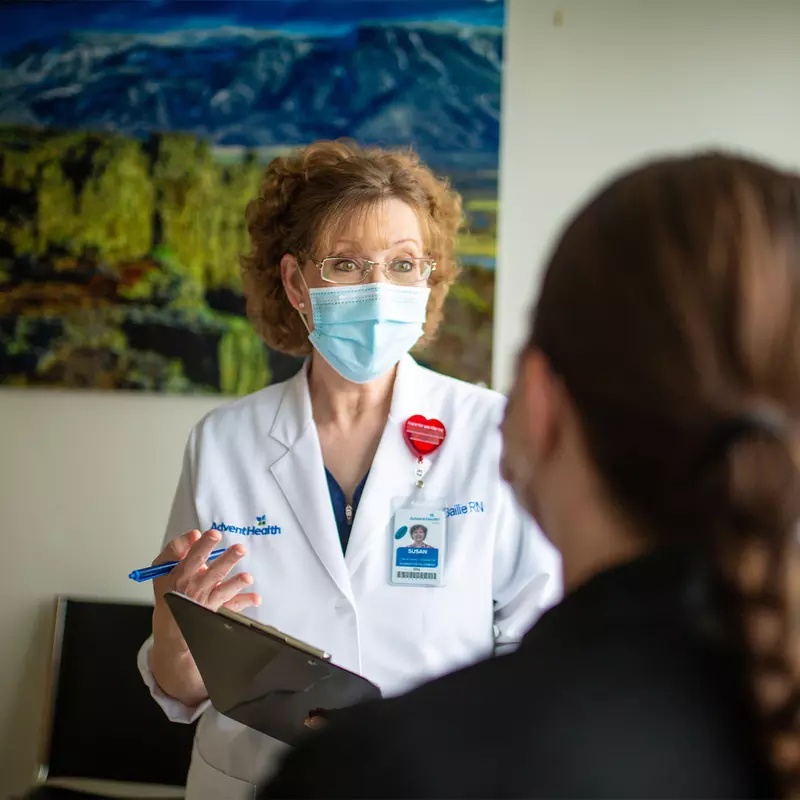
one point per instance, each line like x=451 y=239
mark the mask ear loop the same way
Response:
x=300 y=307
x=302 y=316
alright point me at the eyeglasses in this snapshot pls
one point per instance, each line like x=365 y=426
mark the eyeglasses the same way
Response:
x=406 y=270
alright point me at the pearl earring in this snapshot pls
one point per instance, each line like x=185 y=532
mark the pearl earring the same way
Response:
x=301 y=305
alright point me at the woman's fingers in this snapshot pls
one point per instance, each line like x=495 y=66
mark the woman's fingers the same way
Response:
x=218 y=569
x=228 y=589
x=242 y=601
x=177 y=548
x=196 y=557
x=206 y=581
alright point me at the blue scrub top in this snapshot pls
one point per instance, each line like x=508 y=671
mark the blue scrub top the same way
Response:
x=339 y=503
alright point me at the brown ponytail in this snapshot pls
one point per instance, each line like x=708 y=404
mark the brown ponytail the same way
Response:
x=758 y=548
x=671 y=311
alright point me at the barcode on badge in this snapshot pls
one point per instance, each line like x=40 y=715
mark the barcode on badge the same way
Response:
x=422 y=576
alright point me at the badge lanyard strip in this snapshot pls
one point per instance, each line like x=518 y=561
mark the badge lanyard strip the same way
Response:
x=419 y=473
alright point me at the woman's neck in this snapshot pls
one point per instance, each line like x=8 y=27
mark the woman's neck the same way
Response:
x=338 y=402
x=592 y=532
x=582 y=563
x=350 y=420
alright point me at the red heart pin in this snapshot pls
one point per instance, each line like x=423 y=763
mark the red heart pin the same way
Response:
x=423 y=436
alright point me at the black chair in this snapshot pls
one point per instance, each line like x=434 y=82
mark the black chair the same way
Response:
x=102 y=725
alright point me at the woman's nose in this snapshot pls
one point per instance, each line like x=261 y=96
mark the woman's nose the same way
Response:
x=376 y=274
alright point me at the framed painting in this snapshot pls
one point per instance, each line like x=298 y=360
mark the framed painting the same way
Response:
x=132 y=135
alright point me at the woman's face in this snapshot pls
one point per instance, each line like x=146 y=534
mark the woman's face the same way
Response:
x=529 y=431
x=389 y=231
x=514 y=463
x=418 y=535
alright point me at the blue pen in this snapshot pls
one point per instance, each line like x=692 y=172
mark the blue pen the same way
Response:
x=148 y=573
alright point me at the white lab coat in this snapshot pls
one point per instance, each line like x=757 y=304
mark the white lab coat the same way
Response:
x=260 y=456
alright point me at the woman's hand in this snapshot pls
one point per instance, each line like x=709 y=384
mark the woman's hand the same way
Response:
x=202 y=582
x=206 y=583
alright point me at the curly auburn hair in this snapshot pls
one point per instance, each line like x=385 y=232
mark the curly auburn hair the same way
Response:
x=305 y=199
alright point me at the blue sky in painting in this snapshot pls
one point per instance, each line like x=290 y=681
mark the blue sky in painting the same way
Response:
x=26 y=20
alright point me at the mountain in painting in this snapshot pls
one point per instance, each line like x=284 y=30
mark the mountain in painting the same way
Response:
x=436 y=86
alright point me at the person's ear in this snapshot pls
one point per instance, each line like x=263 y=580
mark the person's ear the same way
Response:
x=542 y=397
x=293 y=283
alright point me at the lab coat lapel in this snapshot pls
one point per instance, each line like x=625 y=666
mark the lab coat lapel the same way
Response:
x=392 y=472
x=300 y=473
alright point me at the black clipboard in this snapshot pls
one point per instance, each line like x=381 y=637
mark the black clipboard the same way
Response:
x=261 y=677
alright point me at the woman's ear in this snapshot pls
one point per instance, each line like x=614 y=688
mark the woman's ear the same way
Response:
x=542 y=396
x=293 y=283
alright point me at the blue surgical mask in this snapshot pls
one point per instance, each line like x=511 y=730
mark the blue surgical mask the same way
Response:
x=363 y=331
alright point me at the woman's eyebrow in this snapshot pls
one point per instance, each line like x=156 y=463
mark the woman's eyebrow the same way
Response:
x=351 y=243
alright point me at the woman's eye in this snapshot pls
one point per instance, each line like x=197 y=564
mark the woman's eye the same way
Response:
x=402 y=265
x=345 y=265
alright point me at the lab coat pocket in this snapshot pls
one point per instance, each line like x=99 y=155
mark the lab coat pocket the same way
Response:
x=207 y=783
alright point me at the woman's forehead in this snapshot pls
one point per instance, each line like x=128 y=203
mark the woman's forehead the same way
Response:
x=376 y=227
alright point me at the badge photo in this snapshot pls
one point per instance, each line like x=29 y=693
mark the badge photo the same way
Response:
x=418 y=547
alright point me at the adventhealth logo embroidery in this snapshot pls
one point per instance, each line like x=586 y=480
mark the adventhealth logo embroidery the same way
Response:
x=259 y=529
x=473 y=507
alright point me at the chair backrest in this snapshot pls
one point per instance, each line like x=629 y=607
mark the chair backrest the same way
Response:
x=102 y=723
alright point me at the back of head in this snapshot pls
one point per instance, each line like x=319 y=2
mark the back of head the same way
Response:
x=671 y=312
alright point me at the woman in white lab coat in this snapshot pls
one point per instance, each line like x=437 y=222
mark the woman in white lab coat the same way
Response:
x=307 y=482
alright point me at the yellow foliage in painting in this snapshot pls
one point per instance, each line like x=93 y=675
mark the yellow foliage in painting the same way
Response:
x=57 y=220
x=120 y=198
x=117 y=202
x=242 y=368
x=201 y=206
x=112 y=244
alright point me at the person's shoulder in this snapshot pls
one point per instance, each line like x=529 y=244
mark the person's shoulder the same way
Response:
x=626 y=713
x=651 y=712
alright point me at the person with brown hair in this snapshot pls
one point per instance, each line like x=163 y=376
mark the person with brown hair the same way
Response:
x=352 y=255
x=652 y=431
x=418 y=534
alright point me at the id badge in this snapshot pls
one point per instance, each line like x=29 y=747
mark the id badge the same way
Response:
x=419 y=544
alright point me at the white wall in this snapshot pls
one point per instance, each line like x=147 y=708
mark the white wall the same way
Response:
x=87 y=478
x=616 y=81
x=86 y=481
